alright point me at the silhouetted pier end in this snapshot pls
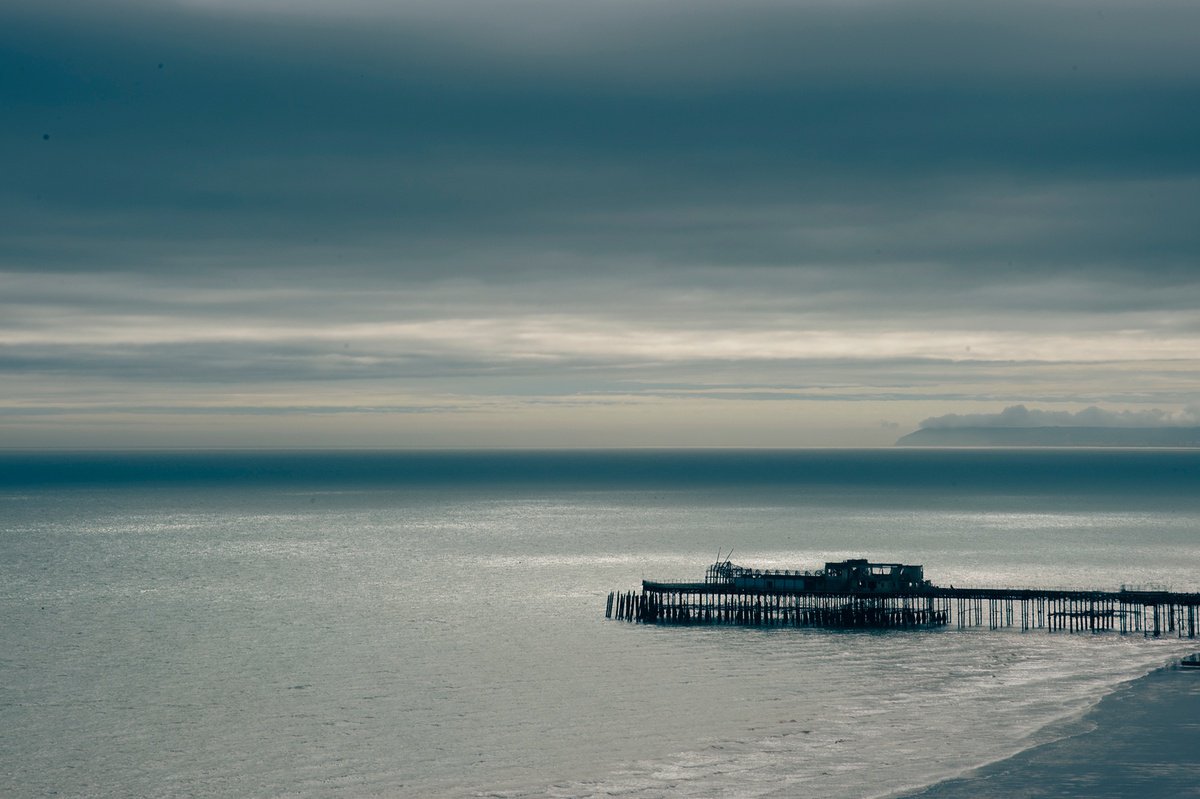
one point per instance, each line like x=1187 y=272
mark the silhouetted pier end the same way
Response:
x=857 y=594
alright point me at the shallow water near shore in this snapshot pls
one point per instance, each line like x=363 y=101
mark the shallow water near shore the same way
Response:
x=382 y=628
x=1137 y=741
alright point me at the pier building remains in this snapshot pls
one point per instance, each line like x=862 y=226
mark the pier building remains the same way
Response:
x=848 y=576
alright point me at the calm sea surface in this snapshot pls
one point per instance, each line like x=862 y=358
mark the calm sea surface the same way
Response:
x=431 y=624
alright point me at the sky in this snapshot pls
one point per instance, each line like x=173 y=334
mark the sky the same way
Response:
x=557 y=223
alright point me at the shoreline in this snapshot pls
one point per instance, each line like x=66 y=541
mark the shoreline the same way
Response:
x=1139 y=740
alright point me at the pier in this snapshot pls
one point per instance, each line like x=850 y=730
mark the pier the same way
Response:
x=858 y=594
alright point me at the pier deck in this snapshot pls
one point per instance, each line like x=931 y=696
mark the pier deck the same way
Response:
x=825 y=599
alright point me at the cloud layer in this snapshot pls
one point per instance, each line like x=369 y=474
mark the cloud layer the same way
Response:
x=628 y=212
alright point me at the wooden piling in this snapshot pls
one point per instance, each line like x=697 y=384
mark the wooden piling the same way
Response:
x=1149 y=612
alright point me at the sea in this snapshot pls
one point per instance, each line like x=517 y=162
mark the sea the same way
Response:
x=431 y=623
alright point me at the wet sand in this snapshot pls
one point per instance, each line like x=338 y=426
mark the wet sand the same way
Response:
x=1142 y=741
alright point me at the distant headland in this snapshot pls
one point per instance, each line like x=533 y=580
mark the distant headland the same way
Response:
x=1066 y=436
x=1019 y=426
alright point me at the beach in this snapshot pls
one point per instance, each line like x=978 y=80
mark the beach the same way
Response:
x=1140 y=741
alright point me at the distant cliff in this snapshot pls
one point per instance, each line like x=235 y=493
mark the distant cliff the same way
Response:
x=1053 y=437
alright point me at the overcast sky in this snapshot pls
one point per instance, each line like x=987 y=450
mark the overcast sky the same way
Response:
x=600 y=223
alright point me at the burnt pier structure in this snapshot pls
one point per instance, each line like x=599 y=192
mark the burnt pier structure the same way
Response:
x=859 y=594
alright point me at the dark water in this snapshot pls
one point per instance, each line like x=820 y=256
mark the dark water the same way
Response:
x=430 y=623
x=989 y=471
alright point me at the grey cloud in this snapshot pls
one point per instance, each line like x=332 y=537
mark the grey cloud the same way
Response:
x=226 y=410
x=694 y=170
x=389 y=139
x=380 y=366
x=225 y=305
x=655 y=43
x=232 y=363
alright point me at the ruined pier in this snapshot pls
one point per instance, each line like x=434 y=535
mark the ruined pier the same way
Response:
x=858 y=594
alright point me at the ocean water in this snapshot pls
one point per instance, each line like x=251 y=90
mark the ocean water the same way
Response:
x=431 y=624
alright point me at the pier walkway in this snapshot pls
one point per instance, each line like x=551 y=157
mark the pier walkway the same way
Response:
x=841 y=596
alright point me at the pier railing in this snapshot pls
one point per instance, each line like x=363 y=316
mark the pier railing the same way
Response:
x=1149 y=610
